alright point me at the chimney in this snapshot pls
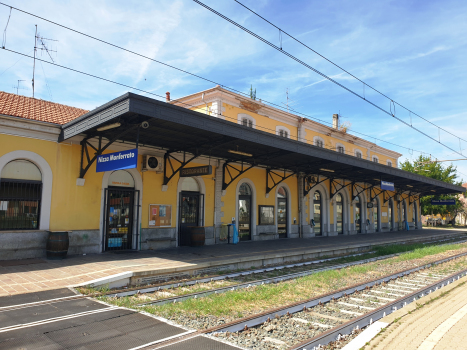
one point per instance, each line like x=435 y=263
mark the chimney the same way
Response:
x=167 y=96
x=335 y=121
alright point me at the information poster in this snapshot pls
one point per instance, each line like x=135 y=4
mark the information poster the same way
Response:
x=160 y=215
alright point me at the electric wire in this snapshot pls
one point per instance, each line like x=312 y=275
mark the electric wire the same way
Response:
x=148 y=92
x=320 y=73
x=4 y=31
x=344 y=70
x=203 y=78
x=195 y=75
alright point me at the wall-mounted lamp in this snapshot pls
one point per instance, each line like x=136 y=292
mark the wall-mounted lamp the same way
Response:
x=240 y=152
x=328 y=170
x=110 y=126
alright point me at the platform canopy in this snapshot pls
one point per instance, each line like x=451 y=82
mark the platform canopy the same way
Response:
x=177 y=129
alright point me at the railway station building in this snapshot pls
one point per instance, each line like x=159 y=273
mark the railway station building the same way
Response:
x=141 y=174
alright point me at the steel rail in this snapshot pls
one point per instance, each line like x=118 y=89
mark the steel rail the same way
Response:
x=255 y=320
x=282 y=278
x=372 y=316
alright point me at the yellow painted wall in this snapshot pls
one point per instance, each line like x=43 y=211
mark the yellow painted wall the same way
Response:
x=262 y=122
x=258 y=177
x=78 y=207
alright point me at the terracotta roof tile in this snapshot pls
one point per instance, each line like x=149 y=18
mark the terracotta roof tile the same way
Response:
x=32 y=108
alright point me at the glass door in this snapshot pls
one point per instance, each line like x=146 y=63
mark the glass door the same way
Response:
x=119 y=218
x=358 y=215
x=188 y=216
x=339 y=215
x=244 y=217
x=282 y=215
x=390 y=216
x=317 y=214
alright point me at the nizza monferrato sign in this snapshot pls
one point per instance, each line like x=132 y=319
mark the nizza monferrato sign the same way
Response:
x=117 y=161
x=443 y=202
x=385 y=185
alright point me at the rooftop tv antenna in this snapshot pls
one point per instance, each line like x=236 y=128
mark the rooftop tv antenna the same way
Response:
x=42 y=47
x=288 y=103
x=18 y=87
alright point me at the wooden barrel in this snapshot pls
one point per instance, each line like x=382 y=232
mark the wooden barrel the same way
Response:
x=197 y=236
x=57 y=245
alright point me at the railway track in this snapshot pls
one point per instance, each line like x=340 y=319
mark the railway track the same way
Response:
x=319 y=321
x=236 y=279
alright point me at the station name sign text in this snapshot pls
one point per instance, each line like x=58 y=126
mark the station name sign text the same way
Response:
x=117 y=161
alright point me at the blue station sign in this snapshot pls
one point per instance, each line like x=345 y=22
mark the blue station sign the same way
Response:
x=389 y=186
x=443 y=202
x=117 y=161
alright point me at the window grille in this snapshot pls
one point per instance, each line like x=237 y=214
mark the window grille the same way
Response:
x=283 y=133
x=20 y=202
x=359 y=155
x=390 y=164
x=319 y=143
x=340 y=149
x=375 y=159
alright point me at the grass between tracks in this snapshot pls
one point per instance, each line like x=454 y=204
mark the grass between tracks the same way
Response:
x=243 y=302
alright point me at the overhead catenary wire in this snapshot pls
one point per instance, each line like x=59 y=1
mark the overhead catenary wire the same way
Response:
x=163 y=97
x=344 y=70
x=320 y=73
x=144 y=91
x=200 y=77
x=209 y=80
x=4 y=32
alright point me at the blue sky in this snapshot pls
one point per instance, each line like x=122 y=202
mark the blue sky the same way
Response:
x=413 y=51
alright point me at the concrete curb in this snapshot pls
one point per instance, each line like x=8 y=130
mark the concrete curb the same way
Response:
x=149 y=276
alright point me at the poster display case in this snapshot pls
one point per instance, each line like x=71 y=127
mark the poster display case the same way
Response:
x=160 y=215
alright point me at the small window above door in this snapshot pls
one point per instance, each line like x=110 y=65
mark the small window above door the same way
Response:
x=190 y=184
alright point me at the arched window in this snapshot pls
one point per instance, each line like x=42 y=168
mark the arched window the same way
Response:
x=318 y=141
x=246 y=120
x=317 y=216
x=389 y=163
x=20 y=195
x=339 y=214
x=282 y=131
x=358 y=153
x=358 y=215
x=244 y=212
x=375 y=159
x=340 y=148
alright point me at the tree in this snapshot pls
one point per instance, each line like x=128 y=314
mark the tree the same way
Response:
x=252 y=93
x=422 y=166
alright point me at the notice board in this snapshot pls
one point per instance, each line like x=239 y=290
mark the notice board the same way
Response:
x=160 y=215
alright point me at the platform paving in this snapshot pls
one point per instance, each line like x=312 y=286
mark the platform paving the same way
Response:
x=439 y=324
x=25 y=276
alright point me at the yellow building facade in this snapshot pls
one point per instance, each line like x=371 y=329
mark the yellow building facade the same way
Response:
x=139 y=208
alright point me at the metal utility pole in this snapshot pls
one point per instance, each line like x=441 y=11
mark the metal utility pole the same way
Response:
x=34 y=64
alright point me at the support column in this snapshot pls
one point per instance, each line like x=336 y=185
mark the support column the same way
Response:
x=305 y=229
x=218 y=203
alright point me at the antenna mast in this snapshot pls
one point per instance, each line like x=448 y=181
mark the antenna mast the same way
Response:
x=34 y=65
x=17 y=87
x=43 y=48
